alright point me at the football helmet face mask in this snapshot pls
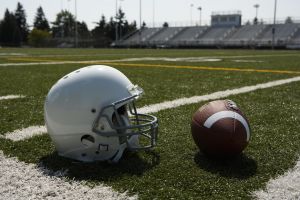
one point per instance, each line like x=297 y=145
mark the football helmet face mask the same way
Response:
x=90 y=115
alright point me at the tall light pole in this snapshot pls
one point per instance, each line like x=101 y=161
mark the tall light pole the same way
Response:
x=153 y=14
x=140 y=32
x=274 y=23
x=76 y=27
x=192 y=6
x=140 y=14
x=256 y=6
x=116 y=27
x=200 y=9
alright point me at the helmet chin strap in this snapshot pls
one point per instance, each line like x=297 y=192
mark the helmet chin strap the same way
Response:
x=119 y=154
x=133 y=141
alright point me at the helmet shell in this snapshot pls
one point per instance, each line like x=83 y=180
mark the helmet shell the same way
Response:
x=72 y=105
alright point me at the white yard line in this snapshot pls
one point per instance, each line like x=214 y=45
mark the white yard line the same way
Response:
x=19 y=180
x=22 y=134
x=216 y=95
x=286 y=186
x=11 y=97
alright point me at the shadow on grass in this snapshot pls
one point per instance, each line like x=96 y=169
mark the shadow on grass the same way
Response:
x=130 y=164
x=240 y=167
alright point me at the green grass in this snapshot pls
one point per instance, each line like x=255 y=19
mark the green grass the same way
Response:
x=175 y=169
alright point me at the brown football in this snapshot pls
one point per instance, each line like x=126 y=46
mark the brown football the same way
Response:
x=219 y=128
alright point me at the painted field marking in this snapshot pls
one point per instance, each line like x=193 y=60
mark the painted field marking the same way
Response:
x=145 y=58
x=38 y=130
x=216 y=95
x=116 y=63
x=19 y=180
x=204 y=68
x=22 y=134
x=7 y=97
x=286 y=186
x=30 y=59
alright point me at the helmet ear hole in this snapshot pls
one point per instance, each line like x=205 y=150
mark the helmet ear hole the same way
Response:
x=87 y=140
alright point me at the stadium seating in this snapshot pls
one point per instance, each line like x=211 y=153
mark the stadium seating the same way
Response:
x=140 y=37
x=188 y=36
x=283 y=34
x=244 y=35
x=164 y=36
x=214 y=35
x=259 y=35
x=296 y=38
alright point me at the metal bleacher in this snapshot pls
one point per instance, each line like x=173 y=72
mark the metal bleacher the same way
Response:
x=214 y=35
x=165 y=35
x=140 y=36
x=283 y=34
x=296 y=38
x=244 y=35
x=259 y=36
x=188 y=35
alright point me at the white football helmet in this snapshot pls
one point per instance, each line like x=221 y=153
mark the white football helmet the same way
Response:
x=90 y=115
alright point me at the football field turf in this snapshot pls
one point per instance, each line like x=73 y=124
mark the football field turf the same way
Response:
x=174 y=169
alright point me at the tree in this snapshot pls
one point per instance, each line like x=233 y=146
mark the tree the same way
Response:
x=10 y=34
x=289 y=20
x=21 y=22
x=40 y=21
x=255 y=21
x=101 y=33
x=38 y=38
x=111 y=29
x=64 y=25
x=100 y=30
x=129 y=28
x=165 y=25
x=83 y=30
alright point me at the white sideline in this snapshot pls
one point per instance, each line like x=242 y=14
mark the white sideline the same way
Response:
x=19 y=180
x=22 y=134
x=11 y=97
x=286 y=186
x=38 y=130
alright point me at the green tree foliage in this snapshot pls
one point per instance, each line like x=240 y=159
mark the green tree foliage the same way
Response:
x=129 y=28
x=123 y=26
x=10 y=34
x=289 y=20
x=83 y=31
x=21 y=22
x=101 y=29
x=165 y=25
x=105 y=32
x=101 y=33
x=64 y=25
x=39 y=38
x=40 y=20
x=255 y=21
